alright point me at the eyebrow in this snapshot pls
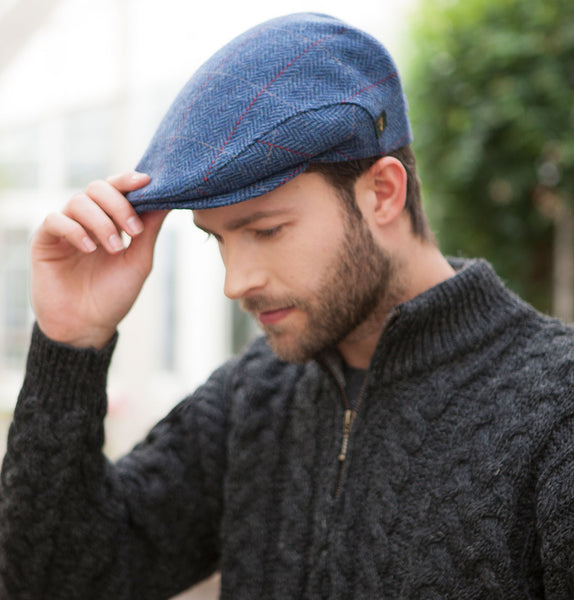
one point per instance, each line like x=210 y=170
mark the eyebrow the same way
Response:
x=239 y=222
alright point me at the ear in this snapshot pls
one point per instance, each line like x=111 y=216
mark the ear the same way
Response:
x=387 y=179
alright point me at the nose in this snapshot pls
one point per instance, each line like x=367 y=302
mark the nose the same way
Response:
x=244 y=275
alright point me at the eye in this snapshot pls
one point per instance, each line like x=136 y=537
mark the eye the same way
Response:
x=268 y=233
x=213 y=236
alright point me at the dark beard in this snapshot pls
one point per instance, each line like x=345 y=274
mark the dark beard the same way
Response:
x=357 y=286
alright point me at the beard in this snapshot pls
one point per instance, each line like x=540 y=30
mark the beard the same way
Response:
x=359 y=286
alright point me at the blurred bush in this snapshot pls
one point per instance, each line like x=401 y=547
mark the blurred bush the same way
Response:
x=491 y=92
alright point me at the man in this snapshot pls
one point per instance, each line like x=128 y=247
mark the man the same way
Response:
x=405 y=429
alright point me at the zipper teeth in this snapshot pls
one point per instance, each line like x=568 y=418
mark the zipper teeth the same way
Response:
x=351 y=413
x=349 y=419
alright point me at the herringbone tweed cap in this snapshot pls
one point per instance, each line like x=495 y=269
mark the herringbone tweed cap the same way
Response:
x=296 y=89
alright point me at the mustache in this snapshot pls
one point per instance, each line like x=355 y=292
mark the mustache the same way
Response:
x=260 y=304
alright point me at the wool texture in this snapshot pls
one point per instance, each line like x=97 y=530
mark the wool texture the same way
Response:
x=458 y=481
x=296 y=89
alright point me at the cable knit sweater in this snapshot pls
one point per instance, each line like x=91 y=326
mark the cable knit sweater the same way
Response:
x=458 y=481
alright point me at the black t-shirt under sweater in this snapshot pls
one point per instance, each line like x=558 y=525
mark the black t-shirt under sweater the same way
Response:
x=354 y=379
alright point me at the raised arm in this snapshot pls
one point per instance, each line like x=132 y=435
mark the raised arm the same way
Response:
x=73 y=525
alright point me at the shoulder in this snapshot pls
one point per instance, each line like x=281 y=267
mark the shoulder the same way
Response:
x=258 y=361
x=549 y=348
x=539 y=374
x=254 y=377
x=260 y=374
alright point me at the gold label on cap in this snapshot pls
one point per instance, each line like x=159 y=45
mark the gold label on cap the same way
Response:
x=381 y=123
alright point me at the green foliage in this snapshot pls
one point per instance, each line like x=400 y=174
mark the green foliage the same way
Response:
x=491 y=87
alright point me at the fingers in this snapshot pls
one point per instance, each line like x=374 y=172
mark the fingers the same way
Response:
x=105 y=213
x=99 y=215
x=141 y=249
x=58 y=226
x=128 y=182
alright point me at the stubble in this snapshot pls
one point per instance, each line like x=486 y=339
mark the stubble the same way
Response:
x=356 y=291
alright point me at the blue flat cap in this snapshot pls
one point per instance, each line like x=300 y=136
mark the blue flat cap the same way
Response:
x=294 y=90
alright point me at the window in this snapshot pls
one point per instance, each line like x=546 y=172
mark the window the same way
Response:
x=88 y=149
x=14 y=305
x=166 y=253
x=19 y=158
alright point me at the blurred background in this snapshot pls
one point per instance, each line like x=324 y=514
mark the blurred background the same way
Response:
x=83 y=85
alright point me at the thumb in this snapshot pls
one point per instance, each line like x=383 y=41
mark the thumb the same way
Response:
x=142 y=247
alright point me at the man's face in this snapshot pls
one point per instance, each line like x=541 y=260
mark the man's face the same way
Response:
x=308 y=272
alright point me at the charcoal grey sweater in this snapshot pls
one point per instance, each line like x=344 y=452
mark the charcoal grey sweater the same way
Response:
x=458 y=479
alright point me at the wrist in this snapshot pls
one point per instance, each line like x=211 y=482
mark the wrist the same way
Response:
x=63 y=377
x=76 y=338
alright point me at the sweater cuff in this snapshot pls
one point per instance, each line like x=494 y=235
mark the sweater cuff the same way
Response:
x=61 y=377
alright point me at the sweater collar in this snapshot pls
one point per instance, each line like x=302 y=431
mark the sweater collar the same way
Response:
x=448 y=319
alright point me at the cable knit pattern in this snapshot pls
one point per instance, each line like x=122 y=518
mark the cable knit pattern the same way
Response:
x=458 y=483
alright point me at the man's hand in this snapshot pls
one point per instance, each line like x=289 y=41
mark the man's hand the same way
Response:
x=83 y=279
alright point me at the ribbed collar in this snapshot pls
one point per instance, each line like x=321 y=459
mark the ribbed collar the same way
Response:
x=451 y=318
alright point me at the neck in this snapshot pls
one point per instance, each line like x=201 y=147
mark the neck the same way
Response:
x=358 y=347
x=424 y=268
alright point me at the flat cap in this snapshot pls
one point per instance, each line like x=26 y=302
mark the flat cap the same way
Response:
x=297 y=89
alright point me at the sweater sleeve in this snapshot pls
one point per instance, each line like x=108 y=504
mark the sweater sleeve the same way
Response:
x=73 y=525
x=555 y=513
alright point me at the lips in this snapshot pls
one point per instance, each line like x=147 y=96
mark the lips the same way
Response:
x=271 y=317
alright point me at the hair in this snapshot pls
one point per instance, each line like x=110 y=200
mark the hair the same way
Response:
x=343 y=175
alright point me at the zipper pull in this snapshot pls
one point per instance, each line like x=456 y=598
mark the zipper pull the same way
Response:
x=347 y=424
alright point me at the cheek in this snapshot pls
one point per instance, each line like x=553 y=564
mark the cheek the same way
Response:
x=306 y=263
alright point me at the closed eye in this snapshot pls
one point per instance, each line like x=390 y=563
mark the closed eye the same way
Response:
x=268 y=233
x=214 y=236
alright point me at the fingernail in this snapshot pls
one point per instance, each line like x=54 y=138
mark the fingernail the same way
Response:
x=89 y=245
x=136 y=176
x=115 y=242
x=134 y=226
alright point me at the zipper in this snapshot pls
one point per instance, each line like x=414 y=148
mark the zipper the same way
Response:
x=348 y=420
x=351 y=413
x=347 y=424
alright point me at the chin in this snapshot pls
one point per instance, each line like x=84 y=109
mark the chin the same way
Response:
x=294 y=350
x=288 y=352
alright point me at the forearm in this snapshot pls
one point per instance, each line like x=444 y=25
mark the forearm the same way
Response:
x=54 y=448
x=72 y=525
